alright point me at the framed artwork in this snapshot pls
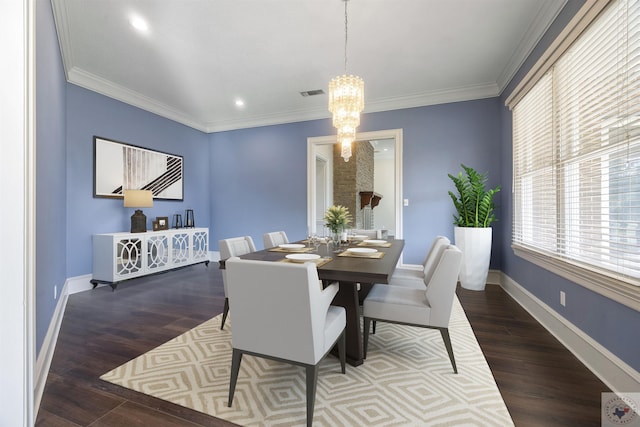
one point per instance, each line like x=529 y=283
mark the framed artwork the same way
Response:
x=118 y=166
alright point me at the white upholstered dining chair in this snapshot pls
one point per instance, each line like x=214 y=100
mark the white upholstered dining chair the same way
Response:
x=280 y=313
x=274 y=238
x=419 y=278
x=430 y=308
x=231 y=247
x=416 y=278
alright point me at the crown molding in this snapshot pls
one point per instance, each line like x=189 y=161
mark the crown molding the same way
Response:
x=105 y=87
x=267 y=120
x=424 y=99
x=393 y=103
x=547 y=14
x=64 y=39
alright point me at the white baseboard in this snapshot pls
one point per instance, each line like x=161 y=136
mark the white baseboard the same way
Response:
x=72 y=285
x=43 y=361
x=80 y=284
x=494 y=277
x=611 y=370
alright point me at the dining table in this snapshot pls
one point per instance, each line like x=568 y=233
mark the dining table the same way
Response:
x=356 y=271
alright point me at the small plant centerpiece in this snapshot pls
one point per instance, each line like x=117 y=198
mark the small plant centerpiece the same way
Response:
x=473 y=234
x=337 y=218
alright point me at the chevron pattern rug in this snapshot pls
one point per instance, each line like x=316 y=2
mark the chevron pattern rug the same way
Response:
x=407 y=380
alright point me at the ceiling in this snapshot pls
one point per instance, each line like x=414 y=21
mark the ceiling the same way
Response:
x=198 y=57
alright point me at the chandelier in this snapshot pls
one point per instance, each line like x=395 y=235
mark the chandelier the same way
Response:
x=346 y=101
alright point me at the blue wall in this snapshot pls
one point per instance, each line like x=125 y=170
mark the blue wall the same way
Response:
x=259 y=176
x=259 y=181
x=51 y=170
x=436 y=140
x=89 y=114
x=613 y=325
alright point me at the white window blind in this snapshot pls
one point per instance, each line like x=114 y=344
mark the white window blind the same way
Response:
x=576 y=152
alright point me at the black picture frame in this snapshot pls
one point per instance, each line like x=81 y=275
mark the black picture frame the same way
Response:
x=118 y=166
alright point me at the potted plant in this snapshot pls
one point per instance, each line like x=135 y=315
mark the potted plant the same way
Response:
x=337 y=218
x=472 y=231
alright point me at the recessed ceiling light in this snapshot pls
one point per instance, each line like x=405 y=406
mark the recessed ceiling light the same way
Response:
x=139 y=24
x=239 y=103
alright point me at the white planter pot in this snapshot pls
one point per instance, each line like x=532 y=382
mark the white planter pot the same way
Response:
x=475 y=244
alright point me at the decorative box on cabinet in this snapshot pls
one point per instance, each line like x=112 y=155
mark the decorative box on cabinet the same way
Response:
x=122 y=256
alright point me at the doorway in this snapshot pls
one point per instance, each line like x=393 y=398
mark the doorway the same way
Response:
x=320 y=156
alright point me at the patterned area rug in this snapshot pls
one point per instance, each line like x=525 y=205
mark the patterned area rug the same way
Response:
x=407 y=380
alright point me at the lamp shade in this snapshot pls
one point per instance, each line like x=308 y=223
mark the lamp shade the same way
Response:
x=138 y=199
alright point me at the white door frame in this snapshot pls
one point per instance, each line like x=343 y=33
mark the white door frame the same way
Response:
x=313 y=142
x=17 y=170
x=325 y=174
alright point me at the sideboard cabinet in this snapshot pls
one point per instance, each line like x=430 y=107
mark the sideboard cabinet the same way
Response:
x=123 y=256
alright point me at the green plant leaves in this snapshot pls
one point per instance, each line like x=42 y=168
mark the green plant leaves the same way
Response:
x=473 y=203
x=337 y=217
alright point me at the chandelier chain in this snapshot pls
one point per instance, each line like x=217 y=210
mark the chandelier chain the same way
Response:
x=346 y=30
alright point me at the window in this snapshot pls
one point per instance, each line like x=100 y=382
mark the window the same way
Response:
x=576 y=159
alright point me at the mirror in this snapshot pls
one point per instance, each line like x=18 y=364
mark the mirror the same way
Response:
x=387 y=182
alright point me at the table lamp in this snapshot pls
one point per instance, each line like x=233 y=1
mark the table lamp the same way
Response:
x=138 y=199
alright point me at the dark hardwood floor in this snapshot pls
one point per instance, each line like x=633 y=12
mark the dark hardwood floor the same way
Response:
x=542 y=383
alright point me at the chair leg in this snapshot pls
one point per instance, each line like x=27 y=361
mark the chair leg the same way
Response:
x=236 y=359
x=447 y=343
x=367 y=325
x=374 y=327
x=225 y=312
x=342 y=342
x=312 y=380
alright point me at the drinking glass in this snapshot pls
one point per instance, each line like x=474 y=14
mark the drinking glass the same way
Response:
x=329 y=241
x=312 y=239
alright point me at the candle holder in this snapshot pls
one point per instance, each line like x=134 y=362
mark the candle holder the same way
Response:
x=177 y=221
x=188 y=220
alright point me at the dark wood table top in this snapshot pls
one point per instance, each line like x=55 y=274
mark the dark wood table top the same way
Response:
x=347 y=269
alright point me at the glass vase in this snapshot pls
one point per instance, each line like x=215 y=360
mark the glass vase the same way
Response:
x=336 y=238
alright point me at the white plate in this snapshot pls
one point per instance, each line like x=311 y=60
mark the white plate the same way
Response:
x=359 y=237
x=375 y=242
x=362 y=250
x=291 y=246
x=302 y=257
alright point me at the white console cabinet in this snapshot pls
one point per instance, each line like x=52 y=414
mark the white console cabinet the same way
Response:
x=122 y=256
